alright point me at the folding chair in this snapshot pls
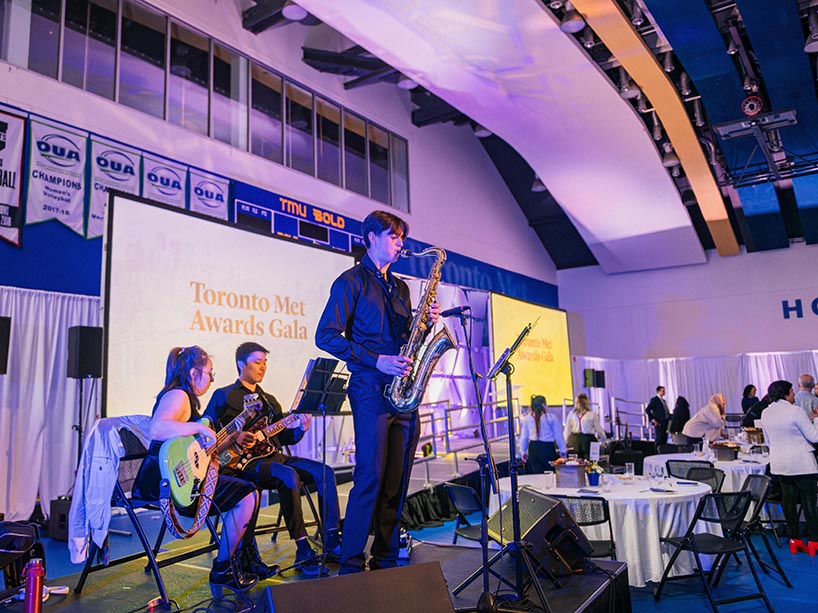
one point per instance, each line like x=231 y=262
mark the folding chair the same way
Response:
x=466 y=501
x=129 y=465
x=679 y=468
x=277 y=526
x=728 y=511
x=592 y=511
x=713 y=477
x=757 y=486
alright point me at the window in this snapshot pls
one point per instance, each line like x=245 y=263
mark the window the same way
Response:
x=142 y=61
x=89 y=51
x=266 y=128
x=229 y=97
x=328 y=133
x=400 y=174
x=378 y=164
x=355 y=154
x=298 y=137
x=189 y=79
x=30 y=34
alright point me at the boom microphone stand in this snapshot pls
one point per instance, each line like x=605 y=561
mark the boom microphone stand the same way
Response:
x=517 y=548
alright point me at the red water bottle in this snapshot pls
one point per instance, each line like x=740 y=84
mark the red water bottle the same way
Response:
x=34 y=573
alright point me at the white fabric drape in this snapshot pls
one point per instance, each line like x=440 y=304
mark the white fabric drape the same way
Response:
x=38 y=403
x=694 y=378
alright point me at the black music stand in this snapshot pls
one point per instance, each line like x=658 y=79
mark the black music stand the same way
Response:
x=519 y=549
x=322 y=392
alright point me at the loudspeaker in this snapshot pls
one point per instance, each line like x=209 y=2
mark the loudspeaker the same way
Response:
x=545 y=524
x=599 y=378
x=588 y=376
x=84 y=352
x=5 y=337
x=58 y=519
x=405 y=589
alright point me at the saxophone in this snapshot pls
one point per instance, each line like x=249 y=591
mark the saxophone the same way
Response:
x=405 y=393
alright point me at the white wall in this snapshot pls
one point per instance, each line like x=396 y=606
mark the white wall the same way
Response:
x=728 y=306
x=458 y=199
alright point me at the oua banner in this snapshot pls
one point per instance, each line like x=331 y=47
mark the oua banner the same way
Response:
x=12 y=137
x=208 y=193
x=113 y=166
x=164 y=180
x=56 y=179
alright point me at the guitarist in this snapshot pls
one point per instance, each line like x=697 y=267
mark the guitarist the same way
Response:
x=189 y=373
x=278 y=469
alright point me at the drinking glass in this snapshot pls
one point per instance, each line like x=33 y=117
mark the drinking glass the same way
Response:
x=630 y=470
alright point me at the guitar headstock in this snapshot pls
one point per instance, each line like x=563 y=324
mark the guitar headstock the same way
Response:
x=252 y=403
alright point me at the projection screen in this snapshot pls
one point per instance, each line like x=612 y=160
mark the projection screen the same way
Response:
x=175 y=279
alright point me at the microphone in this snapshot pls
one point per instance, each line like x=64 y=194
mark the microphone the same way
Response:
x=458 y=310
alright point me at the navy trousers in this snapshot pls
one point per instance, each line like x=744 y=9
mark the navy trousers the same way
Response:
x=385 y=444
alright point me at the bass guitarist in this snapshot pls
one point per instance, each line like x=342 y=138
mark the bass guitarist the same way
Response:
x=271 y=466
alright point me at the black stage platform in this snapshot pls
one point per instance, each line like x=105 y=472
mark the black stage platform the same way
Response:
x=126 y=589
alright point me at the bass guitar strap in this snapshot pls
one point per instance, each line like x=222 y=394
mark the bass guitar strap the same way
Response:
x=205 y=498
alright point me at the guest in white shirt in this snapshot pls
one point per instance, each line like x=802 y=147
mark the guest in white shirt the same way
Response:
x=540 y=435
x=708 y=422
x=789 y=433
x=582 y=427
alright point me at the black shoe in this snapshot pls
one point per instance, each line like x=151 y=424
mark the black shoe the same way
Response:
x=228 y=574
x=334 y=554
x=307 y=561
x=251 y=562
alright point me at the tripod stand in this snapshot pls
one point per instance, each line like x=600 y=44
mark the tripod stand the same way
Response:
x=517 y=548
x=322 y=392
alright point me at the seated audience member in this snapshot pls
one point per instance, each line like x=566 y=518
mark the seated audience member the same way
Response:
x=708 y=422
x=540 y=435
x=681 y=415
x=805 y=396
x=790 y=435
x=748 y=398
x=582 y=427
x=279 y=470
x=189 y=373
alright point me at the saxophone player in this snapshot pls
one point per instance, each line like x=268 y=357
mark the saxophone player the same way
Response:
x=365 y=322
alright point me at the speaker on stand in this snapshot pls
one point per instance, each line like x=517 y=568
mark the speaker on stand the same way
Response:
x=84 y=362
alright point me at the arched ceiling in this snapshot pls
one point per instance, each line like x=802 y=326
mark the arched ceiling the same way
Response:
x=565 y=111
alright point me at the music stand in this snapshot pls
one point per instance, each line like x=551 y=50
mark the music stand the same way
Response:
x=518 y=548
x=322 y=392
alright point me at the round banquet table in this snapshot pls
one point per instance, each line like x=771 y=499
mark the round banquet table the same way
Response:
x=639 y=518
x=734 y=471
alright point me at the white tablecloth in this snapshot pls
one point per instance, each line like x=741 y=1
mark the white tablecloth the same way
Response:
x=639 y=518
x=734 y=471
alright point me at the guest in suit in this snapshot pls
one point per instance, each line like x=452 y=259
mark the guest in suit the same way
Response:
x=789 y=433
x=540 y=435
x=681 y=415
x=748 y=398
x=582 y=427
x=659 y=415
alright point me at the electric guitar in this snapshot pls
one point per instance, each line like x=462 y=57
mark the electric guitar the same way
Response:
x=184 y=460
x=237 y=458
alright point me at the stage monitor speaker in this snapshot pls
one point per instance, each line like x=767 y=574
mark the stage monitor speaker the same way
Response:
x=545 y=524
x=599 y=378
x=5 y=338
x=405 y=589
x=84 y=352
x=588 y=377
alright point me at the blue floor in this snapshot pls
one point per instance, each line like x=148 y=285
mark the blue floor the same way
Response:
x=679 y=596
x=688 y=596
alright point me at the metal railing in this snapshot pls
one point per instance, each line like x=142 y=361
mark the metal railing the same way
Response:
x=622 y=417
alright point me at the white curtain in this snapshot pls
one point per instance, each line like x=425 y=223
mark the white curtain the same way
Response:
x=694 y=378
x=38 y=403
